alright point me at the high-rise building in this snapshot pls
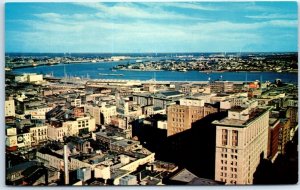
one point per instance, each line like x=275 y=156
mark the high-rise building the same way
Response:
x=241 y=141
x=181 y=117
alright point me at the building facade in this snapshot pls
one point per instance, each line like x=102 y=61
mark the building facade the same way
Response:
x=181 y=117
x=241 y=141
x=10 y=108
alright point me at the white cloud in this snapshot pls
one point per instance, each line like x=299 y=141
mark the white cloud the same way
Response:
x=273 y=16
x=190 y=6
x=131 y=10
x=99 y=32
x=284 y=23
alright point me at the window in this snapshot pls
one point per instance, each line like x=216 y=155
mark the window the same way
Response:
x=224 y=137
x=234 y=138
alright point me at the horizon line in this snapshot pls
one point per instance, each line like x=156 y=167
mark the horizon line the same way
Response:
x=155 y=52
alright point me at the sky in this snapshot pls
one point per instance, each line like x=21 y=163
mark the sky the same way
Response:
x=125 y=27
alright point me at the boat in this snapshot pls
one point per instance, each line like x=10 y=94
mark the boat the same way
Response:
x=183 y=70
x=106 y=74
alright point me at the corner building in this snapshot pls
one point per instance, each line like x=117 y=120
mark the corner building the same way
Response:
x=241 y=140
x=181 y=117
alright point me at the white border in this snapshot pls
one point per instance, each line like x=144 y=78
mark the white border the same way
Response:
x=2 y=98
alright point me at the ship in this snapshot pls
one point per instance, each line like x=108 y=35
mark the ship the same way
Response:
x=105 y=74
x=183 y=70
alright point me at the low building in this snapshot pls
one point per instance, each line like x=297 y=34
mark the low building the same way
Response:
x=10 y=108
x=128 y=180
x=39 y=134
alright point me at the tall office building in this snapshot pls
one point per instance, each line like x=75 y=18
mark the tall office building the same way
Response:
x=241 y=140
x=181 y=117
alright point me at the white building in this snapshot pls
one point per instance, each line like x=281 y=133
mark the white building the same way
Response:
x=162 y=124
x=86 y=123
x=39 y=134
x=102 y=171
x=29 y=77
x=57 y=162
x=107 y=112
x=10 y=108
x=19 y=141
x=241 y=140
x=38 y=112
x=76 y=102
x=191 y=102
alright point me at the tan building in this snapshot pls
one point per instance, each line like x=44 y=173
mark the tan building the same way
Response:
x=56 y=133
x=80 y=126
x=181 y=117
x=94 y=111
x=241 y=139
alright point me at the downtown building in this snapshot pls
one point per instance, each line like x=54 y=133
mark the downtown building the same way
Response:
x=241 y=142
x=181 y=117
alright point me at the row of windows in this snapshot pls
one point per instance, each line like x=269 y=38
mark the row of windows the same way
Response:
x=178 y=110
x=178 y=120
x=177 y=115
x=176 y=130
x=233 y=163
x=224 y=174
x=178 y=125
x=228 y=150
x=232 y=156
x=231 y=181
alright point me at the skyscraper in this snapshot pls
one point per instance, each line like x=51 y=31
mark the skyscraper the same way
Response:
x=241 y=141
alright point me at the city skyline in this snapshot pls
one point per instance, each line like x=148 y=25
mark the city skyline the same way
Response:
x=133 y=28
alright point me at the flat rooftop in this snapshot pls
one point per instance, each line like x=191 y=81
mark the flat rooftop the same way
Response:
x=241 y=123
x=125 y=142
x=184 y=176
x=272 y=121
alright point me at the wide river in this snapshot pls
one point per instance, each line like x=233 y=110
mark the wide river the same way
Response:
x=101 y=69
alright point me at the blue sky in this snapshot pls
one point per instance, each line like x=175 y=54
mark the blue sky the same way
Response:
x=151 y=27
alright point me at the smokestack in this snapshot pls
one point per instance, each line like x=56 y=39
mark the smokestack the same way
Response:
x=46 y=176
x=66 y=164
